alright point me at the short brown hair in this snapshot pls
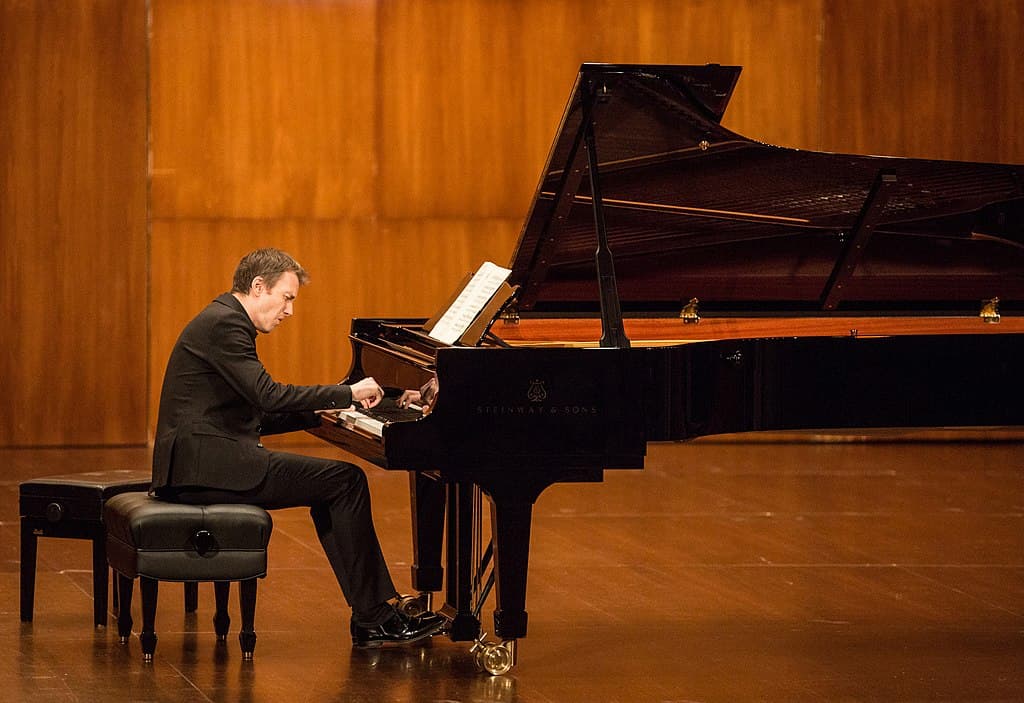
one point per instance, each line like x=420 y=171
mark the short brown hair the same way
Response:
x=269 y=263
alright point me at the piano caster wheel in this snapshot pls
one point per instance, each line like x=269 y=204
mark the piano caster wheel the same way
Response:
x=495 y=659
x=411 y=606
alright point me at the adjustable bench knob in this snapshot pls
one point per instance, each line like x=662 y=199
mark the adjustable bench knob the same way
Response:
x=54 y=512
x=204 y=542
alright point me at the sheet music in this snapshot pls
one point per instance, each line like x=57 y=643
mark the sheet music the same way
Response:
x=460 y=315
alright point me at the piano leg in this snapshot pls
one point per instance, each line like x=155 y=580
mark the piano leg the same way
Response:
x=511 y=496
x=510 y=530
x=427 y=502
x=458 y=607
x=512 y=499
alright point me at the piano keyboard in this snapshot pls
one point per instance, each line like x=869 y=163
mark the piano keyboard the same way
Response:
x=358 y=420
x=374 y=419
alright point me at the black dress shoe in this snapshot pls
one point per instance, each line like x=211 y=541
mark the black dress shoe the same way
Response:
x=397 y=629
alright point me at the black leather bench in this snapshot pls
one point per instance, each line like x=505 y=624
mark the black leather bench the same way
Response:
x=157 y=541
x=71 y=506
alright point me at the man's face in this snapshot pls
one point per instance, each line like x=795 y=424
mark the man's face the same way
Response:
x=272 y=305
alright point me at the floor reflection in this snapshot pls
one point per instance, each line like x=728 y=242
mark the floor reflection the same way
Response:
x=437 y=671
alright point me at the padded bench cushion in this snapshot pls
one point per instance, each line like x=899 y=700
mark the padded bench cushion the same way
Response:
x=154 y=538
x=77 y=496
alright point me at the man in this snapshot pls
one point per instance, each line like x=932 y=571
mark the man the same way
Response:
x=216 y=402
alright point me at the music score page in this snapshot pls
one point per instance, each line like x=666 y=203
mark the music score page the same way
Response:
x=460 y=315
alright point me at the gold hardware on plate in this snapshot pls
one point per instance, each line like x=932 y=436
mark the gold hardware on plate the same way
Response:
x=990 y=311
x=690 y=315
x=510 y=315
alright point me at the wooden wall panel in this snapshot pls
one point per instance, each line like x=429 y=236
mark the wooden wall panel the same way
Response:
x=73 y=222
x=472 y=92
x=263 y=109
x=935 y=79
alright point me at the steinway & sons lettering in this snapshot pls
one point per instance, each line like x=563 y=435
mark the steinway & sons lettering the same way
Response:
x=585 y=410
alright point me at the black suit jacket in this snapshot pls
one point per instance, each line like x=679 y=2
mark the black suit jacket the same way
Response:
x=218 y=399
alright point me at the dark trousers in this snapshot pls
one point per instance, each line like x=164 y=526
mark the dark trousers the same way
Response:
x=339 y=500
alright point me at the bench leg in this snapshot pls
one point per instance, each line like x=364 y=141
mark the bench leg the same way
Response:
x=247 y=637
x=149 y=588
x=124 y=610
x=28 y=570
x=221 y=619
x=100 y=579
x=191 y=596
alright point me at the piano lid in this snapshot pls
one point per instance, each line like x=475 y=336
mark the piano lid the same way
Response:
x=694 y=210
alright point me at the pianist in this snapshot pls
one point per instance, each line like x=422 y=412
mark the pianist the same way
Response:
x=216 y=402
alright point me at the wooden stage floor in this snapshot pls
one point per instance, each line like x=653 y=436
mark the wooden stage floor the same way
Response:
x=721 y=572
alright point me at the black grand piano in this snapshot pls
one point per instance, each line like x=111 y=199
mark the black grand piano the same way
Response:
x=674 y=280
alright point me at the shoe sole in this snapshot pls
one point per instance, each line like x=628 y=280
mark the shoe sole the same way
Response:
x=418 y=638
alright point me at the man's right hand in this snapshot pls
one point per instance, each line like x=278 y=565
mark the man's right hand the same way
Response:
x=367 y=392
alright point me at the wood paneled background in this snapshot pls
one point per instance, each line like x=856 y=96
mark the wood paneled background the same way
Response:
x=390 y=146
x=73 y=240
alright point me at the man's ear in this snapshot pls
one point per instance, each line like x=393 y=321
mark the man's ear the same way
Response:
x=257 y=286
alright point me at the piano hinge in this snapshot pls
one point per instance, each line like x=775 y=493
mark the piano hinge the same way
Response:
x=689 y=314
x=510 y=315
x=990 y=311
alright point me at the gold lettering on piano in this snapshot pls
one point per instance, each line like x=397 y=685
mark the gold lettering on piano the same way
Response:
x=537 y=392
x=537 y=410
